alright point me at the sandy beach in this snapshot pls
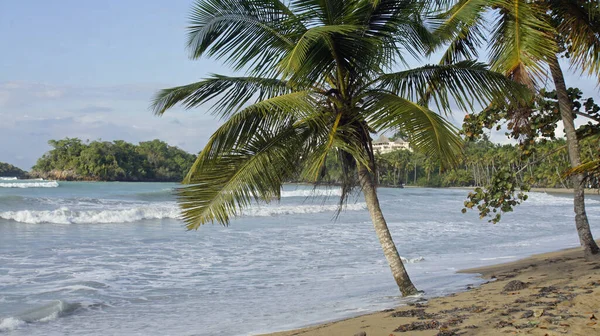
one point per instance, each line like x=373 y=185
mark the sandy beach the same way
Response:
x=556 y=293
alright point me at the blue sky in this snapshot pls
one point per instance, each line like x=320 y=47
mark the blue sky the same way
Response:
x=88 y=69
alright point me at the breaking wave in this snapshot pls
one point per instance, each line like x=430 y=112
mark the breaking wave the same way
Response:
x=44 y=313
x=412 y=260
x=8 y=178
x=25 y=184
x=311 y=192
x=64 y=215
x=544 y=199
x=298 y=209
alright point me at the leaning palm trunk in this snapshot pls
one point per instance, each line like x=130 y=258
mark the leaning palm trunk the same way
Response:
x=581 y=221
x=383 y=233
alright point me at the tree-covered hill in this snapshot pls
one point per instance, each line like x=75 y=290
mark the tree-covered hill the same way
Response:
x=8 y=170
x=544 y=168
x=72 y=159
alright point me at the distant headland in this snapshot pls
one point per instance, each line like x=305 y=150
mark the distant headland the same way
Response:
x=72 y=159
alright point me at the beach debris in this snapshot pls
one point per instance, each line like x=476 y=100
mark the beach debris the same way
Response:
x=447 y=332
x=506 y=276
x=527 y=314
x=593 y=317
x=548 y=289
x=514 y=285
x=510 y=311
x=503 y=324
x=428 y=325
x=538 y=312
x=470 y=309
x=418 y=302
x=419 y=313
x=362 y=333
x=433 y=324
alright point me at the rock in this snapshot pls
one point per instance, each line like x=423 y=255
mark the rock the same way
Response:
x=527 y=314
x=362 y=333
x=538 y=312
x=514 y=285
x=547 y=290
x=503 y=324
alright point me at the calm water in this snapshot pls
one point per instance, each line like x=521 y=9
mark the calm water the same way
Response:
x=113 y=259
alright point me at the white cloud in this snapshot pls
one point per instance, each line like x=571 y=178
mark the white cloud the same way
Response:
x=34 y=113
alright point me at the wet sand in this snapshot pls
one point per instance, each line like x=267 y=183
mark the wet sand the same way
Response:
x=555 y=293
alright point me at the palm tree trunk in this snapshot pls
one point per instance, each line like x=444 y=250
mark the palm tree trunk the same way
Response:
x=581 y=221
x=383 y=233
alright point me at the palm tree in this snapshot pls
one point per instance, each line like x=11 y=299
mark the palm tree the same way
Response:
x=318 y=84
x=527 y=38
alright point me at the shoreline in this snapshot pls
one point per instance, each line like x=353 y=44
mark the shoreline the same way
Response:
x=551 y=293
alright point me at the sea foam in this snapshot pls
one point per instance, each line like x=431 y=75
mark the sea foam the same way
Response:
x=65 y=215
x=11 y=323
x=311 y=192
x=24 y=184
x=268 y=211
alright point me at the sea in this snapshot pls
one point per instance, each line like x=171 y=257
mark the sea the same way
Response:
x=84 y=258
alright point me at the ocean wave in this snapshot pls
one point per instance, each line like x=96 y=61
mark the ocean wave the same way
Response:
x=311 y=192
x=412 y=260
x=539 y=198
x=10 y=324
x=8 y=178
x=64 y=215
x=24 y=184
x=44 y=313
x=298 y=209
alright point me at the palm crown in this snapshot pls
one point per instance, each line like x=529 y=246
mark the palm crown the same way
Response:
x=318 y=83
x=522 y=35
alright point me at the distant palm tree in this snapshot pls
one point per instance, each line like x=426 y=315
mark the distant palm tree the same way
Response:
x=527 y=38
x=318 y=85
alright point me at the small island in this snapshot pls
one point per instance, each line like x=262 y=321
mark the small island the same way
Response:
x=10 y=171
x=71 y=159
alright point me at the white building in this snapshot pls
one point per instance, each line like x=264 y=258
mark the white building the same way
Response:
x=384 y=145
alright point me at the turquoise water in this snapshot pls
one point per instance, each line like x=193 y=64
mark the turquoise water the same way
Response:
x=113 y=258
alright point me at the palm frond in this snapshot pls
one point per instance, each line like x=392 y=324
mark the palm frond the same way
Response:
x=580 y=29
x=465 y=83
x=316 y=39
x=462 y=28
x=521 y=42
x=589 y=168
x=246 y=33
x=430 y=133
x=228 y=94
x=239 y=128
x=253 y=171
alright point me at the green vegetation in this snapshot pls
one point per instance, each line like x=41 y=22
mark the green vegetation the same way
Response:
x=483 y=160
x=71 y=159
x=527 y=38
x=8 y=170
x=319 y=85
